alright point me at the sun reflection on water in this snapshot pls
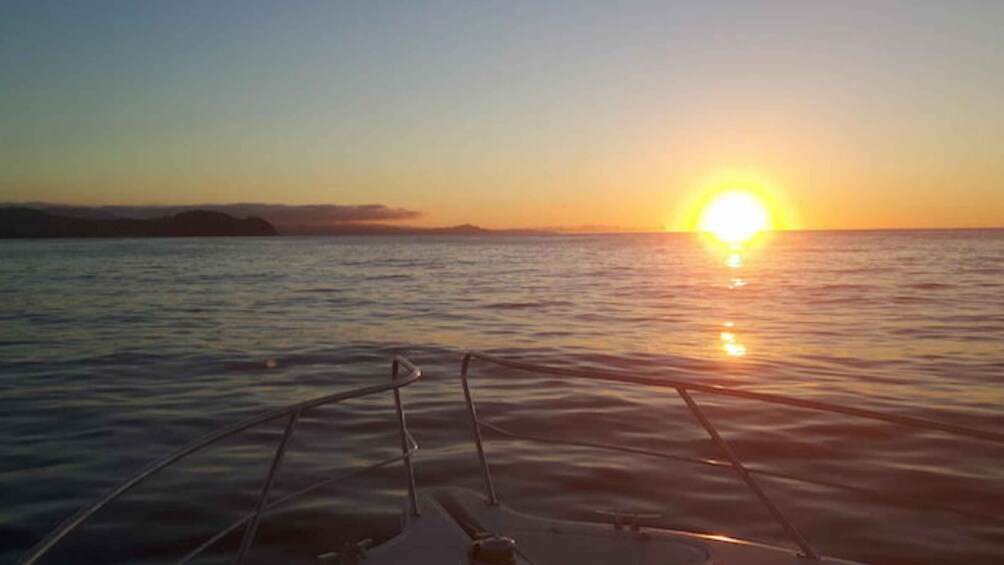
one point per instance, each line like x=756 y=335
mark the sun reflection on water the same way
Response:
x=734 y=235
x=728 y=339
x=730 y=343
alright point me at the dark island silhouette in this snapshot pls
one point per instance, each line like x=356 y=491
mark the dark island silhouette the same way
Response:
x=42 y=220
x=32 y=223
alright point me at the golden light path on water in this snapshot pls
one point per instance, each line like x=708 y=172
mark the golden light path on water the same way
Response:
x=733 y=219
x=729 y=339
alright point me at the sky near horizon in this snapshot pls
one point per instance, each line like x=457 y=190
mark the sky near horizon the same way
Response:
x=511 y=114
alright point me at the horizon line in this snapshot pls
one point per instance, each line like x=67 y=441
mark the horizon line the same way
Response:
x=403 y=223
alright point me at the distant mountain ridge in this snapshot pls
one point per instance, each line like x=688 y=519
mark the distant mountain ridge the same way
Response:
x=31 y=223
x=369 y=228
x=56 y=221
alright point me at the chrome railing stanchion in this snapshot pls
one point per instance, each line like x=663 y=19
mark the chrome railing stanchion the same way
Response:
x=293 y=412
x=666 y=382
x=273 y=470
x=489 y=486
x=684 y=388
x=806 y=550
x=406 y=452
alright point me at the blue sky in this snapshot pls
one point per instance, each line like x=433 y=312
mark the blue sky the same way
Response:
x=524 y=114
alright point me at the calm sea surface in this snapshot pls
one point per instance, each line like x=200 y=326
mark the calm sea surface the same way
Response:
x=114 y=352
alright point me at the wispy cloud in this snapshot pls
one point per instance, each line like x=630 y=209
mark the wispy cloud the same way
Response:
x=313 y=215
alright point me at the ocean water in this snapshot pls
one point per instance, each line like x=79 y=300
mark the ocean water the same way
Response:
x=114 y=352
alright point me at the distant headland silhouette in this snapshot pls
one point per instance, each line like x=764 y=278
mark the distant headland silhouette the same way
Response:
x=41 y=220
x=32 y=223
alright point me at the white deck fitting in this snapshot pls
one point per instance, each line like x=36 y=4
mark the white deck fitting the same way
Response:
x=436 y=538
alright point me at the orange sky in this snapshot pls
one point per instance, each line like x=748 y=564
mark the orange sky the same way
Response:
x=856 y=115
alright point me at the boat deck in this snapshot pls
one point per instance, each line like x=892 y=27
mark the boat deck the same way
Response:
x=441 y=535
x=444 y=525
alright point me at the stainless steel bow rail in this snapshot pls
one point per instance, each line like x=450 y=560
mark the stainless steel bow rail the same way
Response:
x=251 y=520
x=683 y=389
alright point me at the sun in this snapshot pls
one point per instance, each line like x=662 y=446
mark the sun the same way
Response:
x=735 y=217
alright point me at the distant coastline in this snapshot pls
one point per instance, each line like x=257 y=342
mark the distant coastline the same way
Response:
x=29 y=220
x=361 y=228
x=21 y=222
x=18 y=223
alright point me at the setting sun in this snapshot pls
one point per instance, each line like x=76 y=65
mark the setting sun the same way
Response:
x=735 y=217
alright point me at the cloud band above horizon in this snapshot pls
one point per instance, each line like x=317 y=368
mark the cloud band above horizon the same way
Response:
x=311 y=215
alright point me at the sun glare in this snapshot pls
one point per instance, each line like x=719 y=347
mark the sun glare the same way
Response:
x=734 y=217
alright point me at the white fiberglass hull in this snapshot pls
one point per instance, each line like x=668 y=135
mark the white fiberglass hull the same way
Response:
x=439 y=536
